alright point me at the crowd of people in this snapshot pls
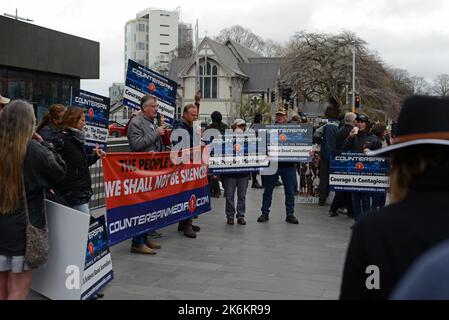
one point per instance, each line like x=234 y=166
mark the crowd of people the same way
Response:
x=51 y=160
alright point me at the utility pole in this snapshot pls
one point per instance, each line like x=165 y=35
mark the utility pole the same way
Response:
x=353 y=79
x=16 y=17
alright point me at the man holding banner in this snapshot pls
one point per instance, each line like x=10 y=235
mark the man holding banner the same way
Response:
x=287 y=171
x=144 y=136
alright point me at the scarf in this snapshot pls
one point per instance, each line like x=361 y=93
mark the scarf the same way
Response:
x=78 y=135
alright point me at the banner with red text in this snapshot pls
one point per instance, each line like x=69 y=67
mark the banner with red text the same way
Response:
x=145 y=191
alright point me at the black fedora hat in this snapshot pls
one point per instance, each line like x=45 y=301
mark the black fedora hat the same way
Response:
x=422 y=120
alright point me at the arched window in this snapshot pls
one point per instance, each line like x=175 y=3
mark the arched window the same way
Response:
x=209 y=80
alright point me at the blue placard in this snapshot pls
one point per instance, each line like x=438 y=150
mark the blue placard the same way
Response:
x=289 y=142
x=359 y=173
x=98 y=265
x=97 y=116
x=238 y=152
x=141 y=81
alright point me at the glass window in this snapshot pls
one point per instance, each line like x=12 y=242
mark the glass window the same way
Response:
x=209 y=80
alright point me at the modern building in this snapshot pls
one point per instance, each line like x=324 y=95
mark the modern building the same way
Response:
x=116 y=92
x=151 y=37
x=228 y=74
x=42 y=65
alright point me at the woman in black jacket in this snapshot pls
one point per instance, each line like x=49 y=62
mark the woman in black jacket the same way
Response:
x=361 y=140
x=38 y=165
x=386 y=243
x=76 y=186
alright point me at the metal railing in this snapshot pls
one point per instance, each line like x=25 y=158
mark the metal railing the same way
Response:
x=96 y=172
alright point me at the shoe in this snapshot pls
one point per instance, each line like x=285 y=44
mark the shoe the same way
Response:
x=278 y=184
x=230 y=221
x=292 y=220
x=256 y=185
x=152 y=245
x=241 y=221
x=332 y=214
x=342 y=211
x=195 y=228
x=142 y=249
x=263 y=218
x=188 y=230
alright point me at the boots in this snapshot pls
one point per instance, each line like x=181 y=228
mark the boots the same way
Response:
x=187 y=228
x=256 y=185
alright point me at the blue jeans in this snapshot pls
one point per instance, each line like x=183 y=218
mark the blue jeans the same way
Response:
x=378 y=200
x=360 y=204
x=139 y=240
x=288 y=176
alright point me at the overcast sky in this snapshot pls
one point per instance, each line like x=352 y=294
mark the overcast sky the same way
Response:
x=406 y=34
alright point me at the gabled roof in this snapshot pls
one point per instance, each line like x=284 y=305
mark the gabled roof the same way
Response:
x=225 y=56
x=243 y=52
x=176 y=66
x=262 y=76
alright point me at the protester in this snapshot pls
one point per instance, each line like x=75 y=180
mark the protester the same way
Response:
x=378 y=199
x=30 y=164
x=416 y=220
x=189 y=117
x=297 y=119
x=233 y=182
x=3 y=102
x=287 y=172
x=343 y=199
x=145 y=136
x=326 y=135
x=51 y=125
x=76 y=188
x=360 y=140
x=216 y=124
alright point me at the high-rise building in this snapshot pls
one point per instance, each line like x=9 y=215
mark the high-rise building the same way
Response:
x=151 y=37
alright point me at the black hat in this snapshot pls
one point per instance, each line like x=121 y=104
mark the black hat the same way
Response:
x=216 y=116
x=422 y=120
x=362 y=117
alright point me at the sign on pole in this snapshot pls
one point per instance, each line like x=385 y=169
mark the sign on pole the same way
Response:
x=141 y=81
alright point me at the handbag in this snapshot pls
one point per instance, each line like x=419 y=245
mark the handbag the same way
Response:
x=37 y=245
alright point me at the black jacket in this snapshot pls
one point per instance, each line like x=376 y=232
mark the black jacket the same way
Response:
x=342 y=134
x=395 y=236
x=76 y=186
x=360 y=141
x=43 y=167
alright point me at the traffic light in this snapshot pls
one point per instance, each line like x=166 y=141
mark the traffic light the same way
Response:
x=357 y=102
x=273 y=96
x=286 y=93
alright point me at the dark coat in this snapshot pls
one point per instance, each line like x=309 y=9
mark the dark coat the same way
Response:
x=43 y=167
x=181 y=124
x=395 y=236
x=342 y=134
x=220 y=126
x=363 y=139
x=51 y=134
x=76 y=186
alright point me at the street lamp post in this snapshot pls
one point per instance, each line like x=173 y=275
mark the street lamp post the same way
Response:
x=353 y=79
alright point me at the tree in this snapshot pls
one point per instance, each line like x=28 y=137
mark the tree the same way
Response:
x=441 y=85
x=253 y=106
x=245 y=37
x=319 y=68
x=420 y=86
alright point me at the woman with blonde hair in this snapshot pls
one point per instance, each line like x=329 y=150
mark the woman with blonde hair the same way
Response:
x=27 y=168
x=384 y=244
x=76 y=187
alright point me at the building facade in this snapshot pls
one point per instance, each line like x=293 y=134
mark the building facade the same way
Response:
x=152 y=36
x=228 y=74
x=42 y=65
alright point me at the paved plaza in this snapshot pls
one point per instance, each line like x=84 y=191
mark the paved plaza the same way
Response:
x=271 y=260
